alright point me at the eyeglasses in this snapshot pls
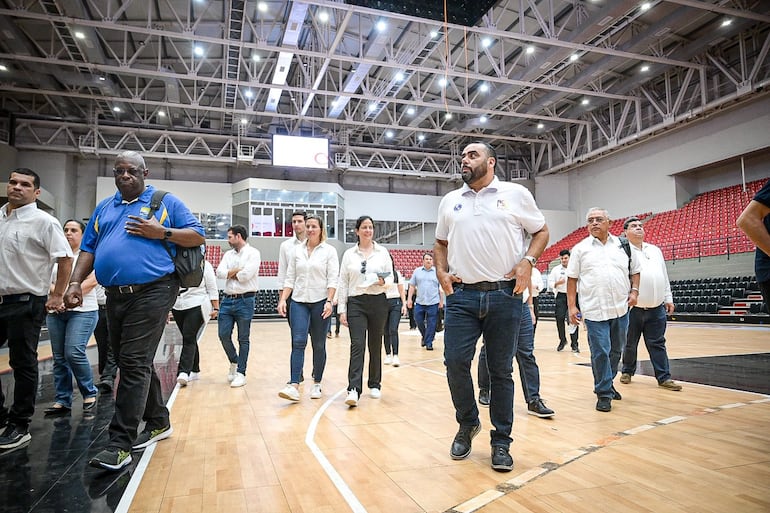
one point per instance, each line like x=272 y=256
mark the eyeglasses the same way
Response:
x=118 y=171
x=592 y=220
x=635 y=225
x=363 y=267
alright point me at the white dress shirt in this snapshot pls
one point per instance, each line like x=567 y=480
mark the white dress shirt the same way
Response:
x=485 y=230
x=247 y=279
x=558 y=273
x=353 y=282
x=602 y=274
x=30 y=243
x=311 y=276
x=393 y=291
x=537 y=282
x=654 y=287
x=89 y=303
x=285 y=253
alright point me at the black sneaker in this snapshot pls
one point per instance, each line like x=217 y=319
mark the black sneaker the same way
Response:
x=604 y=404
x=561 y=345
x=616 y=395
x=14 y=436
x=111 y=459
x=539 y=409
x=501 y=459
x=484 y=397
x=149 y=437
x=461 y=445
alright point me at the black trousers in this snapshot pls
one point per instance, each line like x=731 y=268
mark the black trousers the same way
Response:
x=189 y=322
x=108 y=367
x=136 y=323
x=562 y=317
x=367 y=315
x=20 y=325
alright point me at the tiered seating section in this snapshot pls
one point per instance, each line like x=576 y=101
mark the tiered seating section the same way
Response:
x=407 y=260
x=266 y=268
x=737 y=295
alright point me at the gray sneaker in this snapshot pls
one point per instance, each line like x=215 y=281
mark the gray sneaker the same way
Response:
x=111 y=459
x=149 y=437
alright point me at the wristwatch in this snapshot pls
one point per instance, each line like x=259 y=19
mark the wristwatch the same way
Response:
x=532 y=260
x=167 y=235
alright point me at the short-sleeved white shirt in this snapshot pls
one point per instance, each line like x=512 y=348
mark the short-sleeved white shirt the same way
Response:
x=602 y=272
x=485 y=231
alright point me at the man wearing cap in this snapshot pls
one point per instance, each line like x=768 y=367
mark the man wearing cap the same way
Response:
x=608 y=279
x=648 y=316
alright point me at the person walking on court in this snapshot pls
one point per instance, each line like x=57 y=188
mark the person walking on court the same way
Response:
x=608 y=279
x=648 y=316
x=483 y=269
x=396 y=310
x=557 y=282
x=240 y=267
x=427 y=301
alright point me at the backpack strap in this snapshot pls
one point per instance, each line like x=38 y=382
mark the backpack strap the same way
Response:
x=627 y=248
x=155 y=201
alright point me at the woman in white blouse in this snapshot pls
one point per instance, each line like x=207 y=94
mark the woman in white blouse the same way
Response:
x=192 y=311
x=311 y=280
x=365 y=273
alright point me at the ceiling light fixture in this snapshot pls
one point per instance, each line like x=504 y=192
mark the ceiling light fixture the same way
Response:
x=584 y=101
x=410 y=111
x=486 y=42
x=161 y=114
x=399 y=76
x=421 y=137
x=116 y=109
x=540 y=126
x=483 y=119
x=645 y=68
x=433 y=34
x=79 y=34
x=381 y=25
x=530 y=50
x=645 y=6
x=442 y=82
x=372 y=107
x=448 y=115
x=248 y=93
x=3 y=67
x=323 y=16
x=255 y=57
x=198 y=50
x=574 y=57
x=727 y=22
x=262 y=7
x=244 y=121
x=484 y=87
x=389 y=134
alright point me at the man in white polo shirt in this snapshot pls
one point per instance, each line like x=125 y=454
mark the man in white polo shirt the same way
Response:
x=648 y=317
x=483 y=268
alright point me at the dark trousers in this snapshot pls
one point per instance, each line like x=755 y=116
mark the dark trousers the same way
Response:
x=367 y=315
x=536 y=309
x=136 y=323
x=562 y=317
x=650 y=323
x=189 y=322
x=20 y=323
x=764 y=287
x=391 y=326
x=108 y=367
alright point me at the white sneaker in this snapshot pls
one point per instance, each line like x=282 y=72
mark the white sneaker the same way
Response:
x=375 y=393
x=182 y=379
x=289 y=392
x=232 y=372
x=352 y=399
x=388 y=359
x=238 y=381
x=194 y=376
x=315 y=392
x=396 y=362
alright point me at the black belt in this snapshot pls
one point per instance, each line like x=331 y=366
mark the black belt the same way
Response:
x=16 y=298
x=239 y=296
x=135 y=289
x=487 y=286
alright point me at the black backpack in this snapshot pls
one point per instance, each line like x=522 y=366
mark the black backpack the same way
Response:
x=627 y=248
x=188 y=262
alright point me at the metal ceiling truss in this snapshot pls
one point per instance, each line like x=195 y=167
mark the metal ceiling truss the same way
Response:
x=552 y=82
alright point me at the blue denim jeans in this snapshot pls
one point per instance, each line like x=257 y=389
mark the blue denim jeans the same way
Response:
x=306 y=317
x=426 y=317
x=606 y=340
x=651 y=323
x=238 y=311
x=529 y=372
x=69 y=332
x=469 y=315
x=391 y=327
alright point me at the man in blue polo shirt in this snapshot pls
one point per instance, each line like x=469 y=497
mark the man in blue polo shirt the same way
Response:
x=428 y=301
x=123 y=244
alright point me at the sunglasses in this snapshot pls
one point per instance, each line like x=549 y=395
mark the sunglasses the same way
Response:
x=118 y=171
x=363 y=267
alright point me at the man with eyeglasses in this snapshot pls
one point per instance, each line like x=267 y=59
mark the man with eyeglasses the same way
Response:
x=483 y=267
x=428 y=300
x=123 y=243
x=608 y=279
x=648 y=316
x=31 y=241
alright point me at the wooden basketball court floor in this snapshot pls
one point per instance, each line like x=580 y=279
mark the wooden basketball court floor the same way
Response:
x=704 y=449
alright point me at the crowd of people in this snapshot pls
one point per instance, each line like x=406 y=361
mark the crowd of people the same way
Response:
x=87 y=279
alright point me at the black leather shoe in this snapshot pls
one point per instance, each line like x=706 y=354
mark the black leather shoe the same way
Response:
x=56 y=409
x=539 y=409
x=616 y=395
x=604 y=404
x=461 y=445
x=483 y=397
x=501 y=459
x=561 y=345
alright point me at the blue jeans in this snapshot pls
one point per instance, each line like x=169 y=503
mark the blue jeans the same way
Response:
x=307 y=317
x=651 y=323
x=606 y=340
x=426 y=317
x=69 y=332
x=470 y=314
x=391 y=327
x=529 y=372
x=238 y=311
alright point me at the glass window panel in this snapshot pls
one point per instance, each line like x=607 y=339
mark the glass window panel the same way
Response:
x=240 y=215
x=429 y=234
x=386 y=232
x=410 y=232
x=240 y=197
x=350 y=231
x=280 y=228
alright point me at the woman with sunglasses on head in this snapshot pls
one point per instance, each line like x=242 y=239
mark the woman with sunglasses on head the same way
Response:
x=311 y=280
x=69 y=331
x=365 y=273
